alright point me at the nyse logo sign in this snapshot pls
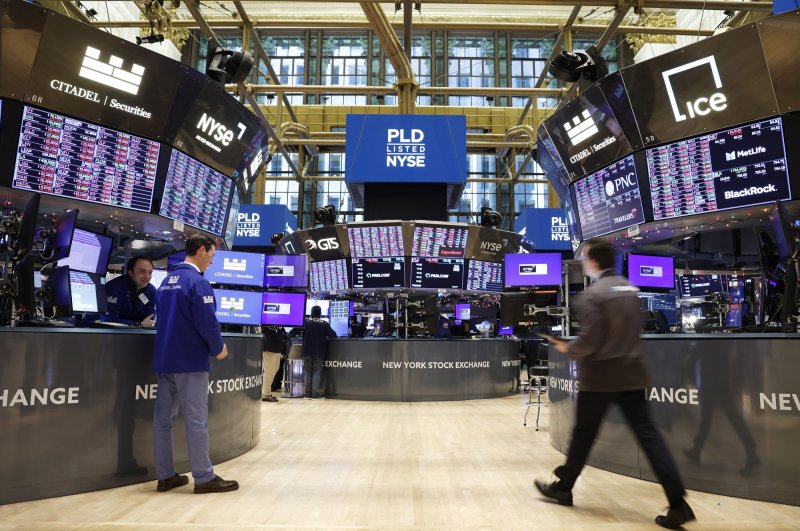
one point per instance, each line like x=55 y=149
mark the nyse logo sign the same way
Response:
x=582 y=128
x=703 y=105
x=248 y=225
x=111 y=74
x=533 y=269
x=325 y=244
x=559 y=230
x=620 y=184
x=277 y=308
x=232 y=304
x=214 y=133
x=232 y=264
x=405 y=148
x=651 y=271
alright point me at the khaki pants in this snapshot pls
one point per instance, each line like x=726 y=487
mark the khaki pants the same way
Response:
x=270 y=363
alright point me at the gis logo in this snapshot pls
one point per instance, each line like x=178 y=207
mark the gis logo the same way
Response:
x=703 y=105
x=620 y=184
x=325 y=244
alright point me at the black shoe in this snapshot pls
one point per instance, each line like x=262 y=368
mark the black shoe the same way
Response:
x=676 y=516
x=269 y=398
x=563 y=497
x=175 y=481
x=215 y=485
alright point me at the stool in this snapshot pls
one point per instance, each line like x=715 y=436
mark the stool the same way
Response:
x=537 y=379
x=293 y=374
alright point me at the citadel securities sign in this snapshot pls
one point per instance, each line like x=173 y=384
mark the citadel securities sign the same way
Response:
x=406 y=148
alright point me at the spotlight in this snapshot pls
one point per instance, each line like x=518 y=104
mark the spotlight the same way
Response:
x=227 y=66
x=325 y=215
x=571 y=66
x=153 y=38
x=490 y=218
x=276 y=237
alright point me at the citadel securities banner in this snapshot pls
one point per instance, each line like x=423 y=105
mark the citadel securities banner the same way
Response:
x=406 y=148
x=547 y=228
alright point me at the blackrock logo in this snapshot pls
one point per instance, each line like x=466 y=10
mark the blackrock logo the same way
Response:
x=621 y=184
x=405 y=148
x=532 y=269
x=582 y=128
x=703 y=105
x=215 y=132
x=232 y=264
x=111 y=74
x=742 y=153
x=753 y=190
x=325 y=244
x=248 y=225
x=651 y=271
x=232 y=303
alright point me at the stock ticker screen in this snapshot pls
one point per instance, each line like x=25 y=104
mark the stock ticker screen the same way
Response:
x=437 y=273
x=330 y=275
x=439 y=242
x=376 y=273
x=734 y=168
x=372 y=242
x=196 y=194
x=609 y=200
x=71 y=158
x=484 y=276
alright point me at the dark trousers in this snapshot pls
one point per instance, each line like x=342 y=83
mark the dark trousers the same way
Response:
x=592 y=407
x=312 y=372
x=276 y=382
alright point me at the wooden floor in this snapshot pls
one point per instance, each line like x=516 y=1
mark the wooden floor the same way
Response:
x=364 y=465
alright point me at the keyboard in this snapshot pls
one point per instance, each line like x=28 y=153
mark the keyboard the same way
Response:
x=110 y=324
x=52 y=323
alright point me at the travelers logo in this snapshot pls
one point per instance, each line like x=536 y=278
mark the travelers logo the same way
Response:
x=111 y=74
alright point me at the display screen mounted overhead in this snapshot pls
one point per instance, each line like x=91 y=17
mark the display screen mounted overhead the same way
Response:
x=240 y=269
x=329 y=276
x=238 y=307
x=438 y=241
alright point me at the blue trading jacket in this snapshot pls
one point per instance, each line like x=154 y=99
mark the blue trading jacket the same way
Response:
x=124 y=302
x=188 y=333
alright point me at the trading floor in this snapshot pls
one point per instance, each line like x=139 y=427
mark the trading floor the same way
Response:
x=365 y=465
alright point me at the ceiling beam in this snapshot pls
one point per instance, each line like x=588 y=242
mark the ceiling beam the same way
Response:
x=717 y=5
x=370 y=90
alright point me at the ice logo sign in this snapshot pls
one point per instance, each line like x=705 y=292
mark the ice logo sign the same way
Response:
x=111 y=74
x=232 y=303
x=405 y=148
x=703 y=105
x=232 y=264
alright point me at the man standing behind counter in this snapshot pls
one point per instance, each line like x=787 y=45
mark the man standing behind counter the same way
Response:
x=188 y=335
x=131 y=298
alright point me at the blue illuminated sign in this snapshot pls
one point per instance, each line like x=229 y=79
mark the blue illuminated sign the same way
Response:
x=238 y=307
x=547 y=228
x=241 y=269
x=255 y=224
x=406 y=148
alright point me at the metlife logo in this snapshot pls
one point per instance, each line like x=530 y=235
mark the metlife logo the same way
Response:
x=742 y=154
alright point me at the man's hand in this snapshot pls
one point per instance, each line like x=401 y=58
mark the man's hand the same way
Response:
x=148 y=322
x=224 y=354
x=560 y=345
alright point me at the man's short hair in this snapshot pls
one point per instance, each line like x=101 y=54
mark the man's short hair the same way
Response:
x=131 y=265
x=197 y=240
x=601 y=252
x=316 y=312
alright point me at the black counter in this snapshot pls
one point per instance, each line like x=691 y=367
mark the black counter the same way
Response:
x=744 y=389
x=76 y=409
x=415 y=370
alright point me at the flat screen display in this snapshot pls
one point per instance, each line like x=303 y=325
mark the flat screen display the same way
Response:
x=70 y=158
x=89 y=252
x=238 y=307
x=734 y=285
x=608 y=200
x=492 y=245
x=195 y=194
x=158 y=277
x=373 y=242
x=651 y=271
x=737 y=167
x=324 y=306
x=700 y=285
x=667 y=303
x=330 y=275
x=386 y=272
x=339 y=317
x=437 y=273
x=241 y=269
x=88 y=292
x=285 y=271
x=462 y=312
x=539 y=269
x=484 y=276
x=283 y=309
x=64 y=230
x=439 y=242
x=734 y=316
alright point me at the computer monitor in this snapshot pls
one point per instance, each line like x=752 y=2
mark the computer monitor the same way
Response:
x=27 y=226
x=462 y=312
x=58 y=284
x=286 y=271
x=60 y=241
x=158 y=277
x=651 y=271
x=88 y=292
x=238 y=307
x=533 y=269
x=89 y=252
x=324 y=306
x=240 y=269
x=700 y=285
x=524 y=308
x=283 y=309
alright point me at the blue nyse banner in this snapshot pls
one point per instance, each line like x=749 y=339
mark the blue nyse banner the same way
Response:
x=406 y=148
x=547 y=228
x=256 y=224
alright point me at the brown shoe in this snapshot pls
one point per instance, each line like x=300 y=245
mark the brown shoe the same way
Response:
x=215 y=485
x=175 y=481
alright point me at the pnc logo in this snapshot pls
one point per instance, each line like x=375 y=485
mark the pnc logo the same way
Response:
x=701 y=106
x=325 y=244
x=624 y=182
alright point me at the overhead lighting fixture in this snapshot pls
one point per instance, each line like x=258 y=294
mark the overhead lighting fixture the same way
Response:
x=490 y=218
x=325 y=215
x=153 y=38
x=227 y=66
x=572 y=66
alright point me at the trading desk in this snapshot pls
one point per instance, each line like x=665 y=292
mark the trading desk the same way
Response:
x=76 y=409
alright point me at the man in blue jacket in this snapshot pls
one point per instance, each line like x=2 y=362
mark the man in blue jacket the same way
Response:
x=316 y=333
x=188 y=336
x=131 y=297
